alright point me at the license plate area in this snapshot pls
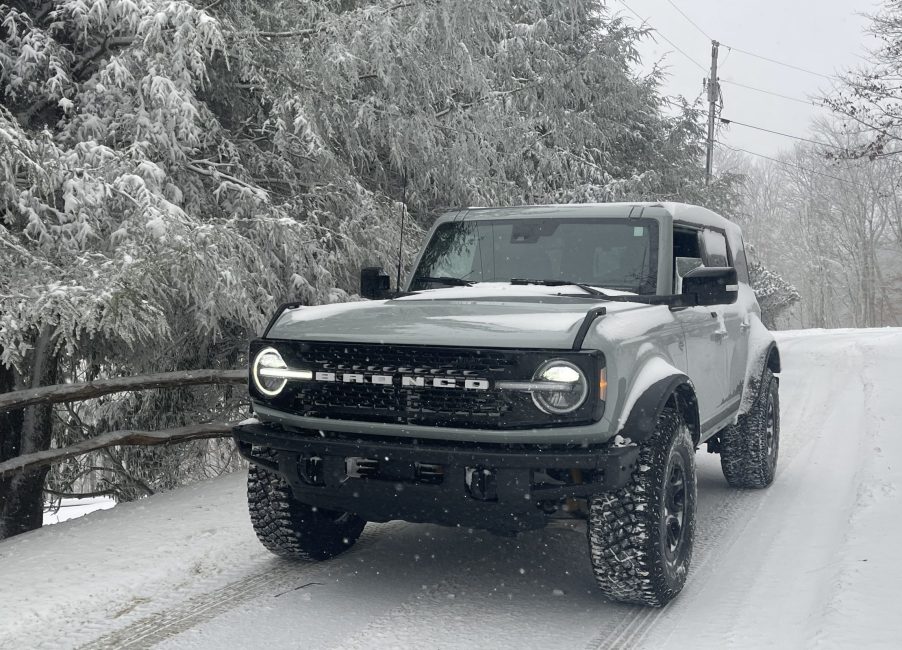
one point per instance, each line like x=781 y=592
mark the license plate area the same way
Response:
x=388 y=469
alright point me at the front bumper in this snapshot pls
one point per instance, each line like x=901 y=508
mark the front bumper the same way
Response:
x=503 y=488
x=588 y=434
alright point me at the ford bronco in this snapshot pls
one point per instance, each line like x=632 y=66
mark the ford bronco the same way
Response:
x=540 y=363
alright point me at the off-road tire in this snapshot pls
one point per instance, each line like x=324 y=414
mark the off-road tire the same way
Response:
x=293 y=529
x=749 y=448
x=637 y=554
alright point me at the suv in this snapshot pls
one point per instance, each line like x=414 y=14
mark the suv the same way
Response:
x=541 y=363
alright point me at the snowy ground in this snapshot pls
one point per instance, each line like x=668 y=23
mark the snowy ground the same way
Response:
x=810 y=562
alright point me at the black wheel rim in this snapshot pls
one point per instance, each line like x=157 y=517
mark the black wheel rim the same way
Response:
x=676 y=492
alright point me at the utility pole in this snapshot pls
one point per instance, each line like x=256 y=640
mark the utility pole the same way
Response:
x=713 y=98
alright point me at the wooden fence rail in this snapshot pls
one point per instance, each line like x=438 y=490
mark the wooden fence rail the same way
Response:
x=88 y=390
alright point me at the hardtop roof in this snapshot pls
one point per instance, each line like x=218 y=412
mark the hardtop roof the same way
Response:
x=679 y=212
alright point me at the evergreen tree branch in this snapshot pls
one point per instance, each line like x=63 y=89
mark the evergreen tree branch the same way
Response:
x=310 y=31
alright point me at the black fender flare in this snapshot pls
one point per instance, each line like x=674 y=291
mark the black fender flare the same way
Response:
x=768 y=359
x=643 y=417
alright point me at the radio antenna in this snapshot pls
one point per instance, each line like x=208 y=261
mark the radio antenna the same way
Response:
x=401 y=239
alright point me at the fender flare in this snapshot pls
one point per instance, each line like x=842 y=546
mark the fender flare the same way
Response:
x=643 y=416
x=765 y=356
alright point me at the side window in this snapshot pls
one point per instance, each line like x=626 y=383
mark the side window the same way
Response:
x=741 y=264
x=715 y=248
x=686 y=255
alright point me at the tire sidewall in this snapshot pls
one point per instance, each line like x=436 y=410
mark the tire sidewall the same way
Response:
x=679 y=450
x=770 y=407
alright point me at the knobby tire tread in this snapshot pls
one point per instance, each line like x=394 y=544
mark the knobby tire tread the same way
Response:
x=624 y=542
x=743 y=448
x=292 y=529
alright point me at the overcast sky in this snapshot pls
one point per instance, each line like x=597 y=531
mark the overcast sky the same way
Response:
x=825 y=36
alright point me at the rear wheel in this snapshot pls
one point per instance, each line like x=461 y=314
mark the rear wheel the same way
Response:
x=640 y=537
x=293 y=529
x=749 y=448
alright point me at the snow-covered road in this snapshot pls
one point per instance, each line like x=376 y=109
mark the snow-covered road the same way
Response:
x=810 y=562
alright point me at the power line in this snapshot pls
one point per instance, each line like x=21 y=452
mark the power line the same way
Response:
x=658 y=32
x=793 y=165
x=704 y=69
x=689 y=106
x=777 y=62
x=691 y=22
x=785 y=135
x=770 y=92
x=747 y=87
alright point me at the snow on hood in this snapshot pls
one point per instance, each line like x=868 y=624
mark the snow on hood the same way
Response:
x=486 y=314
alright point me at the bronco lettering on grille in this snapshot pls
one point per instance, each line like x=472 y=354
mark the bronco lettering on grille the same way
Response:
x=406 y=381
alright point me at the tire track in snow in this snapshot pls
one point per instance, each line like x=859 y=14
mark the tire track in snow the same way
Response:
x=287 y=575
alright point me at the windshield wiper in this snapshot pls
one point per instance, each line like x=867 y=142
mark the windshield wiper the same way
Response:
x=563 y=283
x=447 y=280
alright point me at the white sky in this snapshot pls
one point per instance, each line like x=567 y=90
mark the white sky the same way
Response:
x=825 y=36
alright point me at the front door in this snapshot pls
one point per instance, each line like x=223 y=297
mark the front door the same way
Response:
x=706 y=333
x=707 y=329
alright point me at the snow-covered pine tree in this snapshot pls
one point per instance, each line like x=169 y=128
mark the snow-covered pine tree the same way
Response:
x=171 y=171
x=775 y=295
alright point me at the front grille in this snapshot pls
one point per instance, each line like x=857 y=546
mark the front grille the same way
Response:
x=394 y=403
x=392 y=358
x=405 y=403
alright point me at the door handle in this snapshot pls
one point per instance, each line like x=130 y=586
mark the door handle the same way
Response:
x=745 y=326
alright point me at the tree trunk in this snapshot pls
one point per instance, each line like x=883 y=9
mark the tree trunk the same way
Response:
x=12 y=521
x=24 y=432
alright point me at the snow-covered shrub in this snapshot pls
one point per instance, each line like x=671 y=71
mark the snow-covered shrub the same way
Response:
x=775 y=295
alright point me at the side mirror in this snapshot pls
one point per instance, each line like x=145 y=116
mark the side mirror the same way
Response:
x=374 y=284
x=711 y=285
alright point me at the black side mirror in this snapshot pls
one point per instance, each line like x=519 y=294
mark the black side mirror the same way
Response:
x=374 y=284
x=711 y=285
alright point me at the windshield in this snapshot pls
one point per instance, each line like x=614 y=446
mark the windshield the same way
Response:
x=611 y=253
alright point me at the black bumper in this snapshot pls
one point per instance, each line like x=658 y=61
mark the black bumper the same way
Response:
x=494 y=487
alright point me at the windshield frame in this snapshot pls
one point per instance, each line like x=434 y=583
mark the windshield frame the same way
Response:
x=650 y=220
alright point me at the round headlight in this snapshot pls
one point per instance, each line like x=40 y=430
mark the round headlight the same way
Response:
x=268 y=358
x=567 y=387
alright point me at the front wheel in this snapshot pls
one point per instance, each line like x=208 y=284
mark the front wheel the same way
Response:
x=640 y=537
x=293 y=529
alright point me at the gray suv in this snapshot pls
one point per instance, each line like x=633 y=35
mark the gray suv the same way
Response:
x=540 y=363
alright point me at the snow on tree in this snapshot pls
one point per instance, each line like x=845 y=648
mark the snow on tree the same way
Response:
x=170 y=172
x=870 y=99
x=775 y=295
